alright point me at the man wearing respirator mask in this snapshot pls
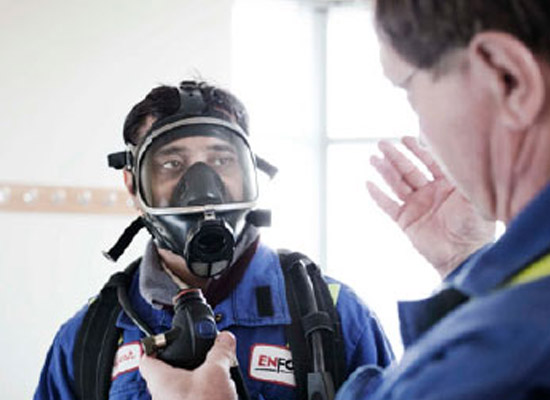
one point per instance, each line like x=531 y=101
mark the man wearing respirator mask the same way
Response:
x=192 y=173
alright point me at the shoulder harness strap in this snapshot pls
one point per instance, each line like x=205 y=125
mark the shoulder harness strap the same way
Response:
x=326 y=320
x=97 y=339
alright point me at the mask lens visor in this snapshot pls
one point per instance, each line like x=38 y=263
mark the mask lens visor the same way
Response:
x=196 y=165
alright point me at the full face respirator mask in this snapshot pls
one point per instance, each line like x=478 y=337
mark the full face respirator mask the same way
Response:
x=195 y=181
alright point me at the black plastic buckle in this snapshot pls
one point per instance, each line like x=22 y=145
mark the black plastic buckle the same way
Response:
x=191 y=99
x=266 y=167
x=120 y=160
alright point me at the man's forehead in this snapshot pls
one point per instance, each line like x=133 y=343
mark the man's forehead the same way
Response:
x=200 y=141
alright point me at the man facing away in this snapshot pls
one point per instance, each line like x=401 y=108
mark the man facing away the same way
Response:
x=477 y=73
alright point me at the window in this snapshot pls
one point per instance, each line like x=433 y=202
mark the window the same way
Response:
x=274 y=74
x=364 y=247
x=361 y=102
x=319 y=103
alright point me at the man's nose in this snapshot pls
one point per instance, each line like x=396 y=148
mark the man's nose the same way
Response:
x=197 y=157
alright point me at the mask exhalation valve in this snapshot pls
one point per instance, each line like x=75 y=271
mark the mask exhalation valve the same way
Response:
x=211 y=247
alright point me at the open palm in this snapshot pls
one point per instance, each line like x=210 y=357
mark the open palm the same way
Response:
x=439 y=221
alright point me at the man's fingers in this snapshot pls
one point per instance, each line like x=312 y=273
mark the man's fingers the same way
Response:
x=149 y=366
x=224 y=350
x=222 y=353
x=383 y=201
x=210 y=381
x=392 y=177
x=423 y=155
x=158 y=374
x=408 y=172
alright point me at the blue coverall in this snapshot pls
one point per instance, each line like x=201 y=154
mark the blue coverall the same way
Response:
x=261 y=343
x=481 y=336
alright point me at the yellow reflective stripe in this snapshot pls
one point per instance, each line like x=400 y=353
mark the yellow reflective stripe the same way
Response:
x=92 y=299
x=539 y=269
x=334 y=289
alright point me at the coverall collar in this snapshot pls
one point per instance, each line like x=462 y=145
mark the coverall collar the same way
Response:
x=239 y=308
x=525 y=241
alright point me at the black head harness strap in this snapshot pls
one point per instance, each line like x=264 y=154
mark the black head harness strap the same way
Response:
x=191 y=100
x=124 y=240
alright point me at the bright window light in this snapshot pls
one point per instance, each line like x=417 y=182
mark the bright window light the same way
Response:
x=276 y=71
x=361 y=102
x=273 y=73
x=364 y=247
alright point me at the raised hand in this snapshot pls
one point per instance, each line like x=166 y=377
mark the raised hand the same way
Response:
x=441 y=223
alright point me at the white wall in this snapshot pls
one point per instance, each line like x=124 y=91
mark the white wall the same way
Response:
x=69 y=73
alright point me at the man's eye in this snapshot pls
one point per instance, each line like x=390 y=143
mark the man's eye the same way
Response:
x=171 y=164
x=221 y=161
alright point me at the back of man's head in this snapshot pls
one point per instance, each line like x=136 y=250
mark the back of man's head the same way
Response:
x=423 y=32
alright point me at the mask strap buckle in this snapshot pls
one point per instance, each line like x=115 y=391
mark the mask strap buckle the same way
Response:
x=191 y=100
x=120 y=160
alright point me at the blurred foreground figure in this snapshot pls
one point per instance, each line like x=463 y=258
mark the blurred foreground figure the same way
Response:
x=477 y=73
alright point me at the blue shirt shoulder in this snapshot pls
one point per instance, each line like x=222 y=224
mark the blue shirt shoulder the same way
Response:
x=57 y=376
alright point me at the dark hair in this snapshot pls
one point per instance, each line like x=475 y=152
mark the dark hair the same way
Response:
x=423 y=32
x=164 y=101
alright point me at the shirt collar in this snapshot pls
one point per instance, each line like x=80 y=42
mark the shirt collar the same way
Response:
x=155 y=285
x=526 y=239
x=157 y=319
x=240 y=307
x=158 y=288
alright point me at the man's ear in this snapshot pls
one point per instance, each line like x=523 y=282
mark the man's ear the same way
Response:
x=513 y=75
x=129 y=182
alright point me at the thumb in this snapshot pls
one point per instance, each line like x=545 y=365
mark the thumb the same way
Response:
x=223 y=352
x=154 y=371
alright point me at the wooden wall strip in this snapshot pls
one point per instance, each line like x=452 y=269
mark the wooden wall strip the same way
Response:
x=16 y=197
